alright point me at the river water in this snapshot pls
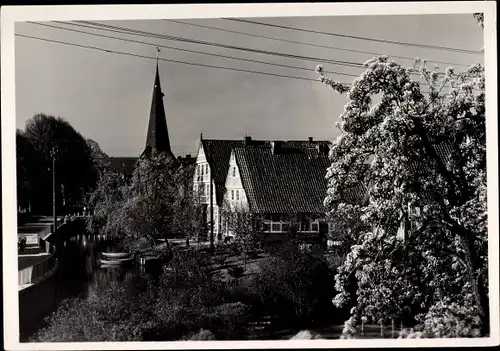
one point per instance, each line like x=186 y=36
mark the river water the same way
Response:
x=80 y=273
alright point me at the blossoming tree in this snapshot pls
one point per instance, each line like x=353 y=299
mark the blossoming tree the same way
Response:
x=418 y=235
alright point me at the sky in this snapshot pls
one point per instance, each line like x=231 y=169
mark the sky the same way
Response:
x=106 y=97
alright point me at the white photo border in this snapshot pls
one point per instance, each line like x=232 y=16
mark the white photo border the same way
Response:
x=12 y=14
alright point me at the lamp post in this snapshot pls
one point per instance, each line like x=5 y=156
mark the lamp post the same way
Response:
x=53 y=155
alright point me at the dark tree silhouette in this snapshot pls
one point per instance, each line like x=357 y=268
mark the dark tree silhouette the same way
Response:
x=76 y=172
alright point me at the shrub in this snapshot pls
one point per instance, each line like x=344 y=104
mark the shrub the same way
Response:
x=236 y=271
x=296 y=284
x=306 y=335
x=202 y=335
x=229 y=319
x=112 y=316
x=451 y=320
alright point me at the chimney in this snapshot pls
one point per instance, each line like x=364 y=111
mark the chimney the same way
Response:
x=247 y=140
x=310 y=139
x=322 y=148
x=275 y=147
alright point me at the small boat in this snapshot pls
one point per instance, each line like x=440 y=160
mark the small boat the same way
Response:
x=116 y=255
x=108 y=265
x=116 y=261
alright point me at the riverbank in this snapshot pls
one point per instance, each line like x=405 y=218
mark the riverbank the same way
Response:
x=79 y=275
x=34 y=230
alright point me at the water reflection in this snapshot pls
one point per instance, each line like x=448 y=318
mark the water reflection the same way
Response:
x=81 y=266
x=80 y=273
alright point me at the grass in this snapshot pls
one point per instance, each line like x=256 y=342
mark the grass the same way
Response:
x=222 y=262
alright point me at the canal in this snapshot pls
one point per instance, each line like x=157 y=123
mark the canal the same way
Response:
x=80 y=273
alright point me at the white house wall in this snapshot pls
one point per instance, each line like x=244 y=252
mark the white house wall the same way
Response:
x=202 y=180
x=235 y=194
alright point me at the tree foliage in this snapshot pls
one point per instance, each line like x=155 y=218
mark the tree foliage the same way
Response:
x=480 y=19
x=157 y=203
x=99 y=157
x=295 y=284
x=420 y=234
x=75 y=170
x=112 y=315
x=26 y=160
x=106 y=201
x=243 y=225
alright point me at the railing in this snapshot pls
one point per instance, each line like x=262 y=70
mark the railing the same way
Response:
x=33 y=274
x=37 y=272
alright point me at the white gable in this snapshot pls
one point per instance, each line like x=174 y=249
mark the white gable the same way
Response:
x=235 y=193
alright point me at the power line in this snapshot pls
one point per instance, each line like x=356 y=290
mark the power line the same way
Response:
x=197 y=52
x=187 y=50
x=465 y=51
x=167 y=60
x=131 y=31
x=173 y=61
x=307 y=44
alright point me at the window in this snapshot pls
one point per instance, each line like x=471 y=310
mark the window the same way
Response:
x=285 y=226
x=304 y=225
x=237 y=195
x=276 y=226
x=266 y=226
x=232 y=194
x=314 y=226
x=276 y=223
x=234 y=171
x=206 y=171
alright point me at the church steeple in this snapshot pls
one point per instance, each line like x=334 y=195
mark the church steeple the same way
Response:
x=157 y=136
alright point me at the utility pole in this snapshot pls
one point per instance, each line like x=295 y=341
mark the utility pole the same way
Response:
x=54 y=213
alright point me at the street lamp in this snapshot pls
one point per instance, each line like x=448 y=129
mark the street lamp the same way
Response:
x=53 y=155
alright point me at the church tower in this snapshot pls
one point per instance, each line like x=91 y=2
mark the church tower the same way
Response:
x=157 y=135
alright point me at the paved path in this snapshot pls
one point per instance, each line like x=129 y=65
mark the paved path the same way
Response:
x=31 y=230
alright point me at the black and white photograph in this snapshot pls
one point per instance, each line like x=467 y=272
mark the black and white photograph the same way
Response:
x=204 y=176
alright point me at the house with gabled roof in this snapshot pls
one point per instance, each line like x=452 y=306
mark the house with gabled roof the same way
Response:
x=278 y=181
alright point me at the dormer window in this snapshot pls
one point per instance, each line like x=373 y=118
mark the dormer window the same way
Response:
x=234 y=171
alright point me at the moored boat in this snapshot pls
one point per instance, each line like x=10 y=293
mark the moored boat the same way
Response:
x=116 y=255
x=103 y=265
x=116 y=261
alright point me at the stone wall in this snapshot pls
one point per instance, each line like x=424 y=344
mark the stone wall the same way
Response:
x=34 y=303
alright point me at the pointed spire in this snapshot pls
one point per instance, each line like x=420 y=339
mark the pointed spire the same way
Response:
x=157 y=130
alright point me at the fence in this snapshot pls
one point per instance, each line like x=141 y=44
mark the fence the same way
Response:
x=379 y=331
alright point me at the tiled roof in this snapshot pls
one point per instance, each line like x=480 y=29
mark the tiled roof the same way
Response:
x=218 y=153
x=288 y=179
